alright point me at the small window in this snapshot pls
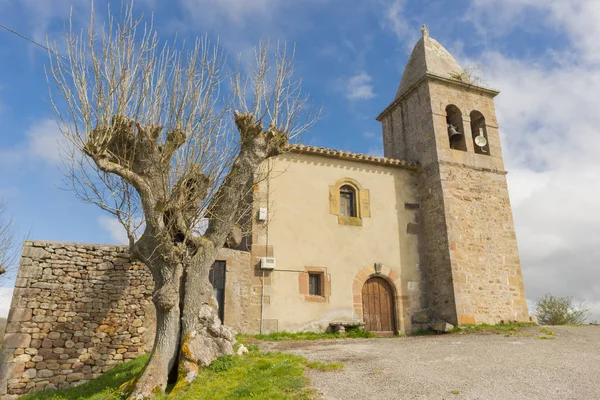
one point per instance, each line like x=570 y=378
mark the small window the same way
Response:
x=315 y=284
x=347 y=201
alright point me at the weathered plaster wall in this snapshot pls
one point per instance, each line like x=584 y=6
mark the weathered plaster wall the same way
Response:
x=303 y=234
x=79 y=309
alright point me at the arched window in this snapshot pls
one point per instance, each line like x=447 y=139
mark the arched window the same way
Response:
x=479 y=133
x=348 y=201
x=456 y=131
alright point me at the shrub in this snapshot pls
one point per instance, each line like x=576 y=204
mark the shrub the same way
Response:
x=552 y=310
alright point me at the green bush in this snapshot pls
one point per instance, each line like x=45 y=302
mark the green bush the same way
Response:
x=552 y=310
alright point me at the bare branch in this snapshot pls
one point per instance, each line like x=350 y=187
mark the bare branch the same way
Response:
x=7 y=240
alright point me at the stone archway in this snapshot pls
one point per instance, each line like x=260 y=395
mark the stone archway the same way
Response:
x=392 y=278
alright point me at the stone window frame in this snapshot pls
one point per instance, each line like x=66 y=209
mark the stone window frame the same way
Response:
x=325 y=282
x=362 y=203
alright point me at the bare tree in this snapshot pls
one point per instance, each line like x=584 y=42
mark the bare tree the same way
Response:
x=163 y=136
x=7 y=240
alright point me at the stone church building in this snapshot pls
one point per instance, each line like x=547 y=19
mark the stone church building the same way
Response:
x=426 y=229
x=423 y=234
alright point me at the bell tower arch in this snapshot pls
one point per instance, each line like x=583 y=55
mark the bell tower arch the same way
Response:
x=468 y=245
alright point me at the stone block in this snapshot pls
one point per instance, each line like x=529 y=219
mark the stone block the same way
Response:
x=45 y=373
x=12 y=370
x=16 y=340
x=30 y=373
x=19 y=315
x=46 y=285
x=21 y=282
x=35 y=253
x=76 y=376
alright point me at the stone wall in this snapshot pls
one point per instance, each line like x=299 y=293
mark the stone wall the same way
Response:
x=486 y=271
x=79 y=309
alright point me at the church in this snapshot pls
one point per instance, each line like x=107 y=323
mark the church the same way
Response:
x=395 y=244
x=423 y=234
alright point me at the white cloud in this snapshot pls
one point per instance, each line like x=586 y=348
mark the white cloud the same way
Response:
x=44 y=140
x=359 y=87
x=237 y=11
x=114 y=228
x=578 y=19
x=395 y=20
x=549 y=121
x=41 y=143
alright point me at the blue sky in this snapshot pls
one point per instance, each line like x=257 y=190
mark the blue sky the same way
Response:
x=543 y=55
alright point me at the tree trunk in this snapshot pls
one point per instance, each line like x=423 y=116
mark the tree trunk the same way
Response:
x=186 y=296
x=153 y=378
x=167 y=273
x=204 y=338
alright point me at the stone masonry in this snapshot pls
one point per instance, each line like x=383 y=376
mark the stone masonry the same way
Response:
x=80 y=309
x=467 y=240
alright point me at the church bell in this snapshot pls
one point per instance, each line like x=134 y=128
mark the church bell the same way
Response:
x=453 y=132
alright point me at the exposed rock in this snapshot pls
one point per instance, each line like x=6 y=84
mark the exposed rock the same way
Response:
x=442 y=326
x=241 y=350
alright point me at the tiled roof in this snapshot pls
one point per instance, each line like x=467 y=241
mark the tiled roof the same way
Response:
x=347 y=155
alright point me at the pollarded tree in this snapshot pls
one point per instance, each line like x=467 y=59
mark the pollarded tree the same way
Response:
x=165 y=138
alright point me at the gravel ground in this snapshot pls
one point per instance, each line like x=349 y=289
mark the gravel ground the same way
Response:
x=455 y=366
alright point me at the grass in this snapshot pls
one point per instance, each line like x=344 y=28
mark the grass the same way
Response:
x=548 y=332
x=499 y=328
x=256 y=375
x=281 y=336
x=545 y=337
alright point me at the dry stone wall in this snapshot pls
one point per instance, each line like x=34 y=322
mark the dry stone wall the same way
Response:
x=80 y=309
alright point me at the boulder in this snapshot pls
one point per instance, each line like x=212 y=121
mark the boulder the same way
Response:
x=442 y=326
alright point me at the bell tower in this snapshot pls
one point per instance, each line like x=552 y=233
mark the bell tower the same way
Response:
x=447 y=123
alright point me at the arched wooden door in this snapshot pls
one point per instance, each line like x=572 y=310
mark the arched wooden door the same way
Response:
x=378 y=306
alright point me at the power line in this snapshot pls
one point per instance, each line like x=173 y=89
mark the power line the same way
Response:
x=31 y=41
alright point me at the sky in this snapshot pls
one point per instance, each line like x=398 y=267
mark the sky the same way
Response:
x=543 y=55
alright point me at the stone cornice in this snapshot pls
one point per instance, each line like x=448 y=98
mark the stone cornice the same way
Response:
x=468 y=86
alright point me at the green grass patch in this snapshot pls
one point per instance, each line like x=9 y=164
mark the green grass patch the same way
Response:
x=548 y=332
x=261 y=376
x=499 y=328
x=281 y=336
x=541 y=337
x=321 y=366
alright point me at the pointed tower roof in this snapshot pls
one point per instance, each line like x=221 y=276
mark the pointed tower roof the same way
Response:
x=428 y=57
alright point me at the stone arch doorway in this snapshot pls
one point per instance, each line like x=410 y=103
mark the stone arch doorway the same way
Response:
x=378 y=306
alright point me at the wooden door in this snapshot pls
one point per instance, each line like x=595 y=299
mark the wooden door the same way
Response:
x=378 y=306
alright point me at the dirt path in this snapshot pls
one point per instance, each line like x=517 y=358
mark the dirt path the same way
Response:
x=473 y=366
